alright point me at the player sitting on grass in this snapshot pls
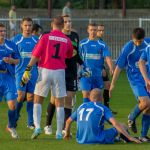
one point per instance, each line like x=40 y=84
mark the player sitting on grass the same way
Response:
x=90 y=118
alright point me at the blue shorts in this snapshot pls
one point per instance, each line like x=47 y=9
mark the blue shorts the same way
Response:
x=140 y=91
x=7 y=87
x=87 y=84
x=108 y=136
x=30 y=86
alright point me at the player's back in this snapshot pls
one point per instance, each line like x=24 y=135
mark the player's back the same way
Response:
x=52 y=50
x=90 y=122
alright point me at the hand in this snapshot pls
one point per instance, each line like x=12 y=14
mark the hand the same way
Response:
x=26 y=76
x=112 y=86
x=67 y=137
x=135 y=140
x=8 y=60
x=86 y=72
x=148 y=85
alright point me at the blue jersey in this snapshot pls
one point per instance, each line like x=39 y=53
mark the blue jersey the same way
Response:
x=93 y=53
x=8 y=49
x=129 y=58
x=90 y=119
x=25 y=47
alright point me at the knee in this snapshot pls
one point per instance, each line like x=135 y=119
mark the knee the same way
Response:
x=30 y=97
x=145 y=104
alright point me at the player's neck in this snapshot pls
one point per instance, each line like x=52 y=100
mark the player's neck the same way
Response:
x=1 y=41
x=92 y=38
x=67 y=32
x=26 y=35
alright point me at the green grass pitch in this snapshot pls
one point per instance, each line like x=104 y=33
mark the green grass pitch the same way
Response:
x=122 y=101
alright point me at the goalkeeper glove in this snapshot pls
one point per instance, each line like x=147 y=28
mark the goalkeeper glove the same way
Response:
x=85 y=72
x=26 y=76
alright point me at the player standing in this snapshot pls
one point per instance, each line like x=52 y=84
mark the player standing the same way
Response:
x=25 y=42
x=50 y=53
x=100 y=34
x=70 y=76
x=93 y=52
x=9 y=57
x=128 y=59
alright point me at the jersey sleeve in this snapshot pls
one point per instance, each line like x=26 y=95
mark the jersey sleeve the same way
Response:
x=144 y=55
x=106 y=52
x=15 y=54
x=107 y=113
x=40 y=47
x=74 y=116
x=79 y=60
x=70 y=49
x=122 y=59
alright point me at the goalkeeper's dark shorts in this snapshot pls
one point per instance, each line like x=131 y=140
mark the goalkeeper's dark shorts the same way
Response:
x=71 y=84
x=106 y=77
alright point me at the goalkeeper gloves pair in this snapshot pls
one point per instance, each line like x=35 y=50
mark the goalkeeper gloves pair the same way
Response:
x=26 y=76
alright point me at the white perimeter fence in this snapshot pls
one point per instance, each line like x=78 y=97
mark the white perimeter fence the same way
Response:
x=117 y=31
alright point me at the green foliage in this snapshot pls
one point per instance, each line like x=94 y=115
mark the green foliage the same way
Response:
x=138 y=3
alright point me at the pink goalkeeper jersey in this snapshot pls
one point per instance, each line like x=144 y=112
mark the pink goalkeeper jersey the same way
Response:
x=52 y=50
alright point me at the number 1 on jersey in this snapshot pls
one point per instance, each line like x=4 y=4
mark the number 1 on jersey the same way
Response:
x=57 y=46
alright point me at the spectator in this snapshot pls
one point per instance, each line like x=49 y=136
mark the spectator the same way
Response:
x=12 y=20
x=67 y=9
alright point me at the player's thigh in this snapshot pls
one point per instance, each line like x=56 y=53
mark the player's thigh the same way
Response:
x=68 y=99
x=86 y=84
x=18 y=80
x=43 y=82
x=30 y=97
x=58 y=83
x=38 y=99
x=97 y=82
x=21 y=95
x=52 y=99
x=109 y=136
x=71 y=84
x=9 y=88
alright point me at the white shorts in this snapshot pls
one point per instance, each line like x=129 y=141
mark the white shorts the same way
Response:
x=51 y=79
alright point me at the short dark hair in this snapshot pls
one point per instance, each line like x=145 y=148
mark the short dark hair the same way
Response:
x=66 y=16
x=27 y=19
x=58 y=21
x=2 y=25
x=100 y=25
x=36 y=27
x=138 y=33
x=92 y=24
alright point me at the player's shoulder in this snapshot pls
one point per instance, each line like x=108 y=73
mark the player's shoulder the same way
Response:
x=84 y=41
x=101 y=43
x=10 y=45
x=147 y=40
x=35 y=38
x=74 y=33
x=129 y=46
x=17 y=38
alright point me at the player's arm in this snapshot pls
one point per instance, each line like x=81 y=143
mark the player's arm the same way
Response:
x=121 y=129
x=142 y=67
x=10 y=60
x=110 y=64
x=114 y=79
x=67 y=128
